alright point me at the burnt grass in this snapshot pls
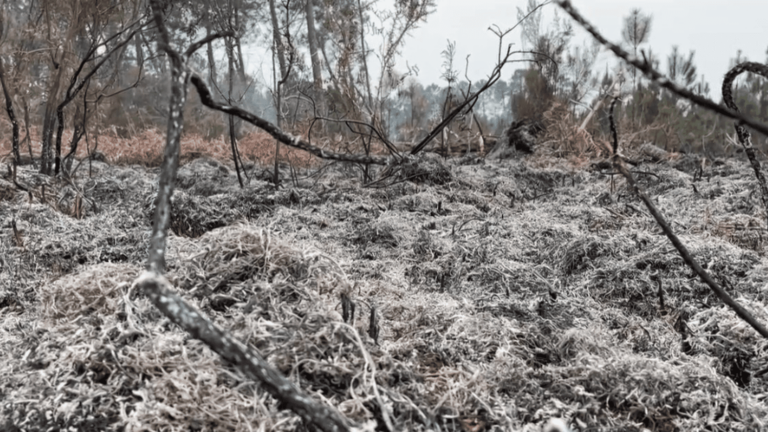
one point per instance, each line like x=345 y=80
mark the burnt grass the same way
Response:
x=508 y=292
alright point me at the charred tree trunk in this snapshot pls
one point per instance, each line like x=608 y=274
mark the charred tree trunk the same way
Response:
x=80 y=129
x=56 y=72
x=11 y=115
x=238 y=45
x=139 y=50
x=365 y=57
x=49 y=121
x=313 y=50
x=27 y=137
x=279 y=116
x=232 y=127
x=59 y=131
x=276 y=37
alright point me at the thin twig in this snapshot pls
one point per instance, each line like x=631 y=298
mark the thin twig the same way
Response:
x=743 y=133
x=618 y=163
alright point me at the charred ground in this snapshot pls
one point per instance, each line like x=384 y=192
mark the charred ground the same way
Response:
x=507 y=292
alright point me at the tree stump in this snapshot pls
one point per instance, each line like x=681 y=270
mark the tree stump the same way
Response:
x=520 y=136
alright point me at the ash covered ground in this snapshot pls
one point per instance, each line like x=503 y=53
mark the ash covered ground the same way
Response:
x=506 y=293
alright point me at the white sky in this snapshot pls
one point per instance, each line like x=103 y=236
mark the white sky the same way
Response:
x=715 y=29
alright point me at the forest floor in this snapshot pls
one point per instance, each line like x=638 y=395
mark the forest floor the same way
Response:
x=506 y=293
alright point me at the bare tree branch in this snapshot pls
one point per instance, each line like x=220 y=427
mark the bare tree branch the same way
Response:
x=277 y=133
x=741 y=131
x=371 y=131
x=618 y=163
x=470 y=101
x=210 y=38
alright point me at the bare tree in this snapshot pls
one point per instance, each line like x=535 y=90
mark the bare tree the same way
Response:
x=9 y=105
x=546 y=45
x=81 y=36
x=314 y=53
x=286 y=67
x=120 y=38
x=449 y=75
x=59 y=49
x=364 y=54
x=277 y=39
x=227 y=21
x=348 y=61
x=207 y=19
x=395 y=26
x=11 y=115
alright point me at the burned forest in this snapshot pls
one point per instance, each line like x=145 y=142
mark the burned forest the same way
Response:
x=257 y=215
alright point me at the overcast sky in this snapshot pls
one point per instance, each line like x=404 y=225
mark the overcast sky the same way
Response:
x=715 y=29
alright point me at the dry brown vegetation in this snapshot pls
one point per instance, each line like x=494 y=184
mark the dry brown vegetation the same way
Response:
x=508 y=293
x=146 y=148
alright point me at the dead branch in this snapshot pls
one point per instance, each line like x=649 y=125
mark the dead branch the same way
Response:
x=618 y=163
x=371 y=131
x=656 y=76
x=470 y=100
x=280 y=135
x=743 y=133
x=686 y=255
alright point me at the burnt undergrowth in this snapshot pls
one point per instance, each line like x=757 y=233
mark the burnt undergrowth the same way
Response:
x=507 y=293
